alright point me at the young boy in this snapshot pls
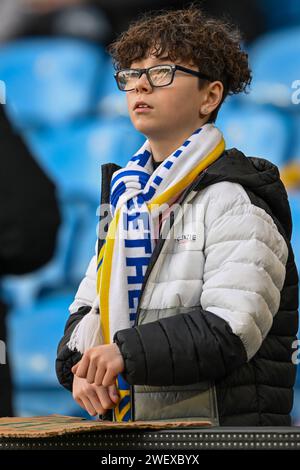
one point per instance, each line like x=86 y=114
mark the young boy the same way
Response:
x=189 y=309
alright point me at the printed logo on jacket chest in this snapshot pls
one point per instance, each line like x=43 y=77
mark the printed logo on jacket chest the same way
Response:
x=185 y=237
x=189 y=234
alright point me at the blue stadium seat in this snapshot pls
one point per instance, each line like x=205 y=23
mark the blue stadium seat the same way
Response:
x=275 y=63
x=73 y=154
x=50 y=80
x=257 y=131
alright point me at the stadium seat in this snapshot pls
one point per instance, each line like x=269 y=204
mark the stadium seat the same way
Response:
x=256 y=130
x=275 y=63
x=50 y=80
x=73 y=154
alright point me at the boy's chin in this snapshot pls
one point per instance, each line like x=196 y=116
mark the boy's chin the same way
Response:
x=149 y=130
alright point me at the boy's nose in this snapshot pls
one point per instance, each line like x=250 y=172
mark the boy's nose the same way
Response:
x=142 y=83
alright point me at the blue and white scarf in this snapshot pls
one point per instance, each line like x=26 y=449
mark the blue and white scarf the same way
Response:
x=137 y=192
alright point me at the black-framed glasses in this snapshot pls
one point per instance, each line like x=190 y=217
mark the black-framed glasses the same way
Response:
x=158 y=76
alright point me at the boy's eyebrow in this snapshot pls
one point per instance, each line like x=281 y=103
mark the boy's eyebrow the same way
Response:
x=163 y=58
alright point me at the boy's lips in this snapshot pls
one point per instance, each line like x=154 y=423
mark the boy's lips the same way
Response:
x=142 y=110
x=140 y=104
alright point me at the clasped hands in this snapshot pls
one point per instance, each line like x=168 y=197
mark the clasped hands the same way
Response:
x=95 y=374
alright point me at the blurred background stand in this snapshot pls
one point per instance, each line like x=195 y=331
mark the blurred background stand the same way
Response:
x=29 y=220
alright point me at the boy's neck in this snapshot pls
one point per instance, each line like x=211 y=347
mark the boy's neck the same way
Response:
x=162 y=147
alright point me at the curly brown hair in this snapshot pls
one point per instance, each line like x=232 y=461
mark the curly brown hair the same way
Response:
x=188 y=35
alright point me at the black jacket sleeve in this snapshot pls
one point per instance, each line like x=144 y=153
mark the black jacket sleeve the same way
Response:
x=180 y=350
x=66 y=358
x=29 y=214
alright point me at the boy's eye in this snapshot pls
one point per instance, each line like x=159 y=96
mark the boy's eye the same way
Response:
x=127 y=78
x=161 y=75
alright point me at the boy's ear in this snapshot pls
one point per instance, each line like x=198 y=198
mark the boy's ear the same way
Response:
x=213 y=97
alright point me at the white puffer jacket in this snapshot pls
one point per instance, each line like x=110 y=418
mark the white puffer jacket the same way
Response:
x=218 y=312
x=229 y=258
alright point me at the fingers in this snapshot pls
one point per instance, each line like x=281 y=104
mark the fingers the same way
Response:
x=100 y=365
x=97 y=404
x=105 y=398
x=90 y=369
x=99 y=375
x=80 y=403
x=85 y=403
x=109 y=377
x=83 y=366
x=90 y=376
x=74 y=368
x=92 y=398
x=95 y=401
x=113 y=393
x=85 y=395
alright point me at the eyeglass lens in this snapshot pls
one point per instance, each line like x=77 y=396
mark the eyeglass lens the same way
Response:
x=159 y=76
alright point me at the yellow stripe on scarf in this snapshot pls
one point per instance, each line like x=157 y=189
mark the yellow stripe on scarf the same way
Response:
x=104 y=275
x=120 y=415
x=189 y=178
